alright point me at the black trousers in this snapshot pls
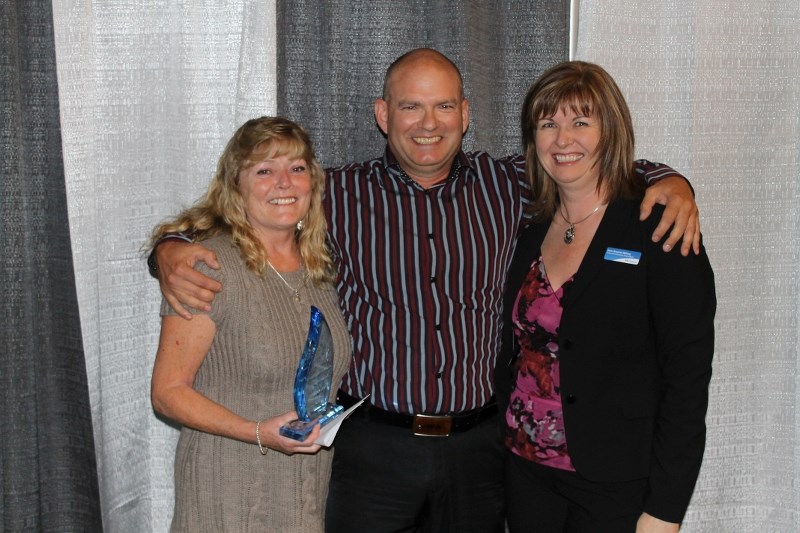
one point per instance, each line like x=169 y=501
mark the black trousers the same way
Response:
x=385 y=479
x=541 y=499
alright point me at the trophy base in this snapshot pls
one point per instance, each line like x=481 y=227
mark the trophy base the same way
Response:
x=300 y=429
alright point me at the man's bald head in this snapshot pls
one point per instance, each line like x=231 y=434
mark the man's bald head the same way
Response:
x=413 y=58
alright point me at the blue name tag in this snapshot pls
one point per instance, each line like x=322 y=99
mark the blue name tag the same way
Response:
x=618 y=255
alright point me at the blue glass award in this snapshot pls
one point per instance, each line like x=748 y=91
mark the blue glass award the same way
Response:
x=312 y=383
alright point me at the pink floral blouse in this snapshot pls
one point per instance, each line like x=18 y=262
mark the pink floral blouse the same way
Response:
x=534 y=419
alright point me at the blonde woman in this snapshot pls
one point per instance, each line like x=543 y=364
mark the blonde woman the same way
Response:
x=227 y=375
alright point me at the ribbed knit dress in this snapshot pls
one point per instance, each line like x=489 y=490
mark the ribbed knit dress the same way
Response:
x=223 y=485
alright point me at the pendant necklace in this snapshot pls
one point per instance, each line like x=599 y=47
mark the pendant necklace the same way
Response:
x=296 y=291
x=569 y=234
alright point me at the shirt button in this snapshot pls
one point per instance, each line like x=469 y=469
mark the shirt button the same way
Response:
x=430 y=235
x=438 y=327
x=433 y=279
x=571 y=399
x=439 y=375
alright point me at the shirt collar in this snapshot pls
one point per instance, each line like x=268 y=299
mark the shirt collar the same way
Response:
x=460 y=163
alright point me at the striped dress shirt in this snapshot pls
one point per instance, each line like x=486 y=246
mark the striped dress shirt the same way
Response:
x=421 y=274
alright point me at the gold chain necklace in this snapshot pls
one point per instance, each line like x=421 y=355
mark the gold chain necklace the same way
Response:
x=296 y=290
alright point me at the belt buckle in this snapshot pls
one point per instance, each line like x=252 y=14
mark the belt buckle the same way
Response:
x=432 y=425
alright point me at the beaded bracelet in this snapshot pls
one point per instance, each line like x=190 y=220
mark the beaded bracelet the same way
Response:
x=258 y=439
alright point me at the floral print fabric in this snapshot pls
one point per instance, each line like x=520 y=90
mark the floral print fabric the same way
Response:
x=534 y=419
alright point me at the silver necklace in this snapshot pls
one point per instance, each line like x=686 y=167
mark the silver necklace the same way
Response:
x=569 y=234
x=296 y=291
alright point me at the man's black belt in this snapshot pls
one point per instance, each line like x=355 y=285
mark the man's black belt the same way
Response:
x=422 y=425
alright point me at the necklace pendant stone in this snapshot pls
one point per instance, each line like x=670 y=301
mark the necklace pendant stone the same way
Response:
x=296 y=296
x=569 y=235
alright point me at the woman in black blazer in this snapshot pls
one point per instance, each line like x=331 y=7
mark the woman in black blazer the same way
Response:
x=608 y=340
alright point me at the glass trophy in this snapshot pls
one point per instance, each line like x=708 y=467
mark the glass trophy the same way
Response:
x=312 y=383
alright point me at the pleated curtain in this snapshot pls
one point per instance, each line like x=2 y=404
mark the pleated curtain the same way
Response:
x=47 y=453
x=149 y=94
x=334 y=54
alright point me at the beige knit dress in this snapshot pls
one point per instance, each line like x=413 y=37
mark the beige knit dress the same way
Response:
x=223 y=485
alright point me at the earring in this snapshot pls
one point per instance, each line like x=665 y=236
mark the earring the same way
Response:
x=300 y=225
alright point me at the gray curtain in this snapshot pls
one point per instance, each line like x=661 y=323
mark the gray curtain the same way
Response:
x=47 y=461
x=332 y=56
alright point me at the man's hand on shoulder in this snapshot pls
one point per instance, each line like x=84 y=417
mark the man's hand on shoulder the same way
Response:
x=680 y=213
x=180 y=283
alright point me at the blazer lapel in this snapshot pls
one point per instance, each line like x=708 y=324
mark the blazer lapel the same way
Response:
x=529 y=247
x=615 y=220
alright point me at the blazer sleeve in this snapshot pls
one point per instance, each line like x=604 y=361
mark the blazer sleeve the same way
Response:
x=682 y=303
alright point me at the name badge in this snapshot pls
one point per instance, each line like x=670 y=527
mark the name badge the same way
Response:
x=618 y=255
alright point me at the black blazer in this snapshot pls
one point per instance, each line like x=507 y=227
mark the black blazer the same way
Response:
x=635 y=345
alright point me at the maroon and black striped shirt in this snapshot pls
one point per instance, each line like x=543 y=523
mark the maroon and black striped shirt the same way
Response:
x=422 y=274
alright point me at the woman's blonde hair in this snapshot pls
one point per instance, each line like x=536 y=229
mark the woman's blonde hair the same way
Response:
x=587 y=89
x=221 y=210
